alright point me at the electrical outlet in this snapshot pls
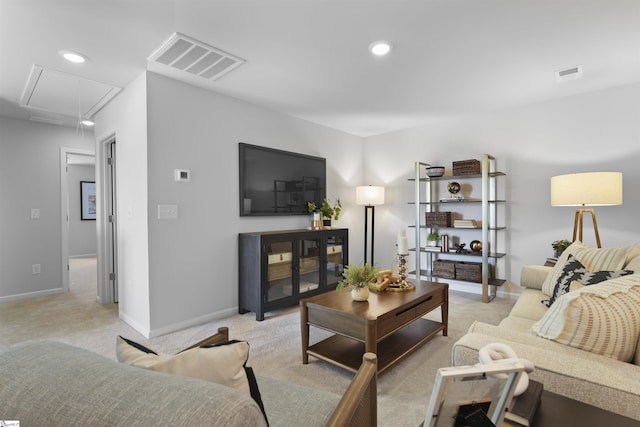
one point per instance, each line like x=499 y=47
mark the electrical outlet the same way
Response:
x=35 y=213
x=35 y=269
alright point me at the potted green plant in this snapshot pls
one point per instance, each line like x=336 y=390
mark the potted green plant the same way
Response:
x=358 y=279
x=432 y=238
x=559 y=246
x=327 y=211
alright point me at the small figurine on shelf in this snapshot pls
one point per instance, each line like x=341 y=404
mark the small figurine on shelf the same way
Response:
x=460 y=248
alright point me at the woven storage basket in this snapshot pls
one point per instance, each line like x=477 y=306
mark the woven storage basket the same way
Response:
x=466 y=167
x=469 y=271
x=310 y=263
x=438 y=219
x=444 y=268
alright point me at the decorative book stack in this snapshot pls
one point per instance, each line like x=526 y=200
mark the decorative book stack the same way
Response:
x=523 y=408
x=465 y=223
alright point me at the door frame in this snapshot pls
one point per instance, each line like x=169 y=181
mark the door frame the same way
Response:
x=107 y=247
x=64 y=209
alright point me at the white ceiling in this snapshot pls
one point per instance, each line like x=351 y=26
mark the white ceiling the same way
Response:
x=309 y=58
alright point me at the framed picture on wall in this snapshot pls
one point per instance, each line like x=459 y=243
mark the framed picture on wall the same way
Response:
x=88 y=200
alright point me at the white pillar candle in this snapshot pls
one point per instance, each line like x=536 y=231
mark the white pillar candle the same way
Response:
x=403 y=246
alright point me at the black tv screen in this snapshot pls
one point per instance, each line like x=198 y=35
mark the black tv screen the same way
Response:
x=277 y=182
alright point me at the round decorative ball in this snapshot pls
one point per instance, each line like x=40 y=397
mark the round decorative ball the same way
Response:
x=476 y=245
x=453 y=188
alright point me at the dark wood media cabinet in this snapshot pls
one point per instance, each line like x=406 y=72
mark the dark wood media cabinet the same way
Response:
x=278 y=268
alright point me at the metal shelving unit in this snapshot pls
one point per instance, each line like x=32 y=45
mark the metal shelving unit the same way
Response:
x=424 y=202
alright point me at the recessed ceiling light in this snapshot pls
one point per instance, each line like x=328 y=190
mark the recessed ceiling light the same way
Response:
x=88 y=122
x=380 y=48
x=75 y=57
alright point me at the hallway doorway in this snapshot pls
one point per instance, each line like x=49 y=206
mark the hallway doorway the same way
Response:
x=78 y=230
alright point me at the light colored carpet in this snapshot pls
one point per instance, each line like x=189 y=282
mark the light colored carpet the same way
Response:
x=403 y=391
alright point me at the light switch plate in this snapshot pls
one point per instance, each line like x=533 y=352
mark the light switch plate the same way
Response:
x=167 y=211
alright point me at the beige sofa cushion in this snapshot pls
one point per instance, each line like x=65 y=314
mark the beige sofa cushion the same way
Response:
x=594 y=259
x=534 y=276
x=602 y=319
x=529 y=305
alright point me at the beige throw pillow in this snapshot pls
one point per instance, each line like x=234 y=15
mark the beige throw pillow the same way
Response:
x=594 y=259
x=602 y=318
x=633 y=259
x=224 y=363
x=220 y=364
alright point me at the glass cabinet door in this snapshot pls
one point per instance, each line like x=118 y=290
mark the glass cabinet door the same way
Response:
x=335 y=260
x=310 y=261
x=279 y=270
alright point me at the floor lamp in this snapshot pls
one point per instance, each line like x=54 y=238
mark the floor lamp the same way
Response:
x=586 y=189
x=369 y=196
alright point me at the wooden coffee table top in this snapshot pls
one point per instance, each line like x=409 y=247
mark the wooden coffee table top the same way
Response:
x=379 y=303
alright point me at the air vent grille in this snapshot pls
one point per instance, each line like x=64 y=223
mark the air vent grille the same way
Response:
x=569 y=73
x=199 y=59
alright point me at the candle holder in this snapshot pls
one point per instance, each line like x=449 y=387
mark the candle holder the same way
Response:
x=403 y=285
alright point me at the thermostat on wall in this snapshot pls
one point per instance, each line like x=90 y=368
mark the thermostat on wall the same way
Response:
x=182 y=175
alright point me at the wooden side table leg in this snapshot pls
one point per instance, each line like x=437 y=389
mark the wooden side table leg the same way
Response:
x=304 y=326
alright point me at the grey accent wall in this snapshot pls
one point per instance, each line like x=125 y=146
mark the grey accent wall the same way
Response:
x=193 y=261
x=30 y=178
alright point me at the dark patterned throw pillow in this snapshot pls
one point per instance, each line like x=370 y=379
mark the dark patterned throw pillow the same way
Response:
x=574 y=270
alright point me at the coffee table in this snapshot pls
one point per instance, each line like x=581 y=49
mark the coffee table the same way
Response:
x=389 y=324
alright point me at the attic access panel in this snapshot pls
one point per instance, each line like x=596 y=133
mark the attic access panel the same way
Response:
x=64 y=93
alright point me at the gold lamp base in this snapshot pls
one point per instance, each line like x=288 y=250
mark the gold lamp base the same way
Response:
x=577 y=224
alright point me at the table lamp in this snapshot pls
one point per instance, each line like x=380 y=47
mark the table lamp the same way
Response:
x=369 y=196
x=586 y=189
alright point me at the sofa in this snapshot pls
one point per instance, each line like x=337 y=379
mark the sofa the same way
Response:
x=585 y=345
x=55 y=384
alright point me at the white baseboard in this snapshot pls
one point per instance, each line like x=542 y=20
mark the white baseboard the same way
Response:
x=31 y=295
x=143 y=330
x=507 y=289
x=84 y=256
x=156 y=332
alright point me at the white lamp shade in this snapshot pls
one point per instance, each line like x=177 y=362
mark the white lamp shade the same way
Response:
x=589 y=189
x=369 y=195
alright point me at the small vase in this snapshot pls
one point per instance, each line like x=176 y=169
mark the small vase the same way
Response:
x=360 y=293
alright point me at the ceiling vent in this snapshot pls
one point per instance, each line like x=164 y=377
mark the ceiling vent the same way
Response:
x=194 y=57
x=569 y=73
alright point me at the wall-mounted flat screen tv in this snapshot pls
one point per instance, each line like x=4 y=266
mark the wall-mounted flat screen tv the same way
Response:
x=277 y=182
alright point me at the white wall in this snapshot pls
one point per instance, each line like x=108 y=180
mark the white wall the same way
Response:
x=599 y=131
x=30 y=178
x=82 y=233
x=126 y=118
x=193 y=261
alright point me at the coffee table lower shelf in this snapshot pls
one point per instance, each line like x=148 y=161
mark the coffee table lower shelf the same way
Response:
x=347 y=352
